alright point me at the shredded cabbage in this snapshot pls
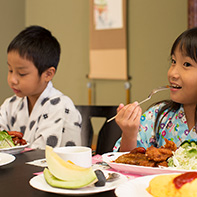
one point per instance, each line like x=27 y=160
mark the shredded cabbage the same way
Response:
x=5 y=140
x=184 y=158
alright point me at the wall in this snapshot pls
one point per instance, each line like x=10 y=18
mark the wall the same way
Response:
x=68 y=21
x=152 y=27
x=12 y=20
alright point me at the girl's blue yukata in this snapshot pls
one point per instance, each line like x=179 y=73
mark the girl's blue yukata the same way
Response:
x=173 y=127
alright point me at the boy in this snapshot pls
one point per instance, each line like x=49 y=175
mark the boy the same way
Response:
x=37 y=109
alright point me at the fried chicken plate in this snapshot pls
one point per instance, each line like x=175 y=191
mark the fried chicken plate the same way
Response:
x=152 y=156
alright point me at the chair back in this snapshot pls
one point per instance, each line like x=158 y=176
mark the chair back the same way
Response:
x=109 y=132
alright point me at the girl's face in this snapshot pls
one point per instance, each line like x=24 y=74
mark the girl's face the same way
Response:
x=23 y=77
x=182 y=76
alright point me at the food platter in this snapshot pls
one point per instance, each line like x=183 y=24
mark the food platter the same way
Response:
x=38 y=182
x=6 y=159
x=14 y=150
x=134 y=169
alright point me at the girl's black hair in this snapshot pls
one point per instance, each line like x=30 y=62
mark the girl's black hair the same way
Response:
x=38 y=45
x=187 y=44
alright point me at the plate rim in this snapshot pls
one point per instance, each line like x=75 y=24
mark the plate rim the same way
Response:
x=128 y=166
x=15 y=147
x=76 y=192
x=12 y=158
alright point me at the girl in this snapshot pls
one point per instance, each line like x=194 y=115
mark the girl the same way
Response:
x=174 y=119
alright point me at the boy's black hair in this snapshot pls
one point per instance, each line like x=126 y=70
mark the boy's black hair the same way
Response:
x=187 y=44
x=38 y=45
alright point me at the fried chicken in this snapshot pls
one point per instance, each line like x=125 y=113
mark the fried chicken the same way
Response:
x=151 y=156
x=135 y=159
x=158 y=154
x=170 y=145
x=161 y=163
x=161 y=154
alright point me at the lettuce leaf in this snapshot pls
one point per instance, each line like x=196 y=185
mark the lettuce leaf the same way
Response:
x=5 y=140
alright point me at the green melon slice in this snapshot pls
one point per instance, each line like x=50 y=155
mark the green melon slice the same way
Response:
x=81 y=182
x=65 y=170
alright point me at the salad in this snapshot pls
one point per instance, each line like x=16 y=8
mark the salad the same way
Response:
x=6 y=140
x=185 y=157
x=10 y=139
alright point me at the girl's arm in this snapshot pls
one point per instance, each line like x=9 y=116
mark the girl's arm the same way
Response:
x=128 y=119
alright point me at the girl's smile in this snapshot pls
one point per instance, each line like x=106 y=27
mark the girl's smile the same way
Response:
x=174 y=87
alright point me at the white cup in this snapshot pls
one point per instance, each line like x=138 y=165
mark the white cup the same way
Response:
x=79 y=155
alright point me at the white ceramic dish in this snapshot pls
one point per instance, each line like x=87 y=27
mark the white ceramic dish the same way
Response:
x=38 y=182
x=6 y=159
x=14 y=150
x=134 y=188
x=79 y=155
x=134 y=169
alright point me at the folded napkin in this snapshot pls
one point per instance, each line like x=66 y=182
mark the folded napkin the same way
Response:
x=95 y=159
x=38 y=162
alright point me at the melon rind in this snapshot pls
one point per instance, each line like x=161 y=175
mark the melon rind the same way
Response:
x=65 y=170
x=54 y=182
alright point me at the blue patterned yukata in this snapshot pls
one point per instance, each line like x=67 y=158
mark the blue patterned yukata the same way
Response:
x=173 y=127
x=54 y=119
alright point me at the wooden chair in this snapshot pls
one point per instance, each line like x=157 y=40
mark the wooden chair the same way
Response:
x=109 y=132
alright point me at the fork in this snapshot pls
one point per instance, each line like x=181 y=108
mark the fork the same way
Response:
x=149 y=97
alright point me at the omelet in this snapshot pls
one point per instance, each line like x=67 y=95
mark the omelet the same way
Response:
x=158 y=186
x=164 y=185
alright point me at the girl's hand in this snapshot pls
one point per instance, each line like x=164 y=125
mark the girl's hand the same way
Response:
x=128 y=119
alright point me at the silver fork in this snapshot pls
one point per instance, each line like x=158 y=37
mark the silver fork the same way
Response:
x=149 y=97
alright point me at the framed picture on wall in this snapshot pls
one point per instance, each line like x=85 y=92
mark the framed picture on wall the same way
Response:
x=108 y=40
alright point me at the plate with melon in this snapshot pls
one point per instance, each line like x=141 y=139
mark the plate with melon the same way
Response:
x=64 y=177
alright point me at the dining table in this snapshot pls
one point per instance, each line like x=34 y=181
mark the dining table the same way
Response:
x=15 y=177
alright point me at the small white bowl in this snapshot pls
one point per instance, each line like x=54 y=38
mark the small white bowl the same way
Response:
x=79 y=155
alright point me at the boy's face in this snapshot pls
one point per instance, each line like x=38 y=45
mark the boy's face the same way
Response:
x=23 y=77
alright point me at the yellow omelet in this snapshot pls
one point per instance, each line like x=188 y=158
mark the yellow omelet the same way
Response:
x=163 y=186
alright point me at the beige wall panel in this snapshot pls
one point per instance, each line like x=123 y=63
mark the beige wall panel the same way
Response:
x=68 y=21
x=12 y=20
x=153 y=27
x=108 y=64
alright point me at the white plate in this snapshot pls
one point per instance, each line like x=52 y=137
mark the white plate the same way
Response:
x=38 y=182
x=6 y=159
x=15 y=149
x=134 y=169
x=135 y=188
